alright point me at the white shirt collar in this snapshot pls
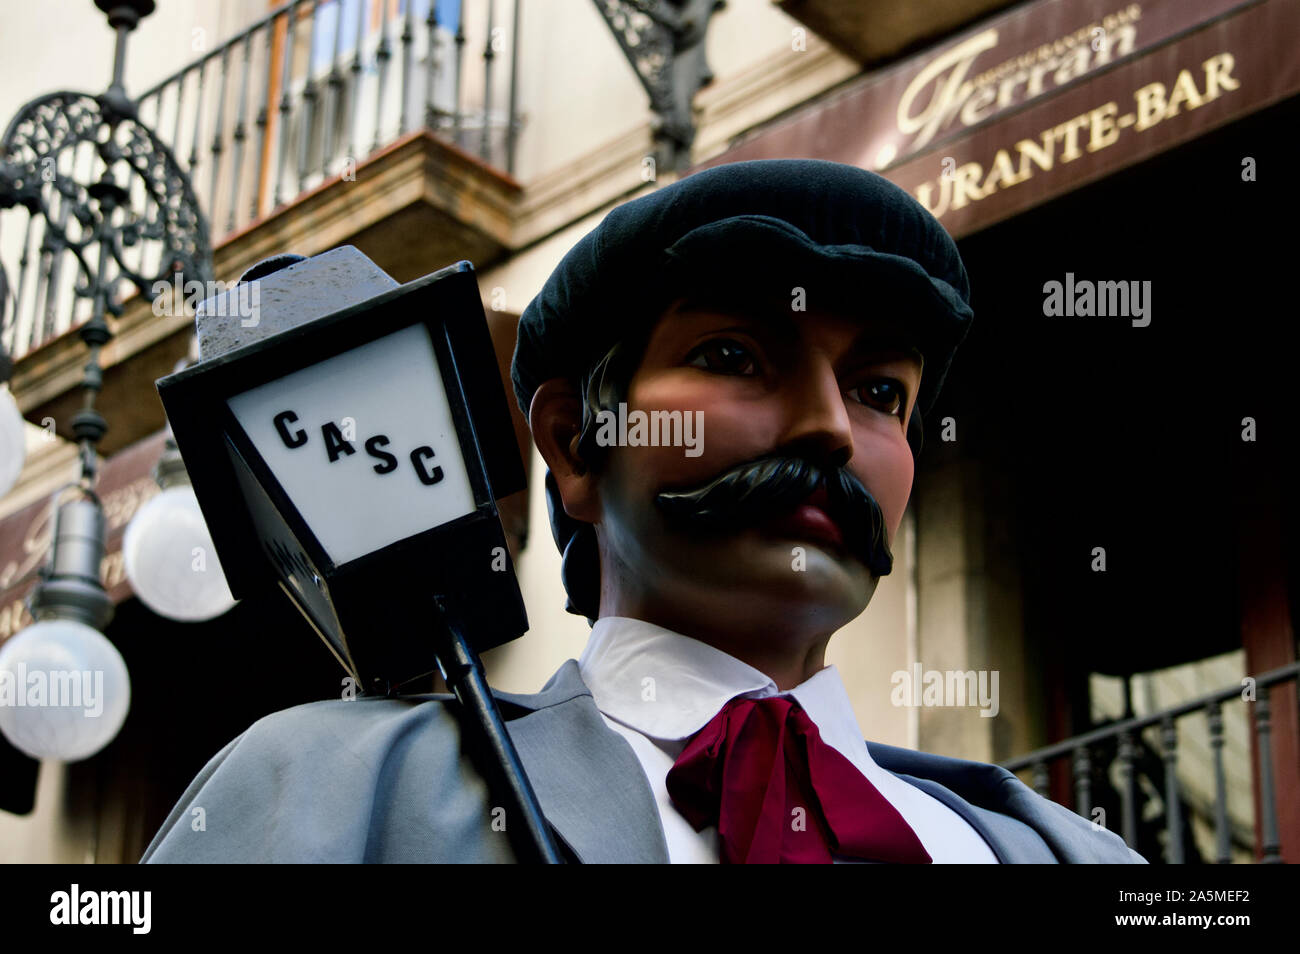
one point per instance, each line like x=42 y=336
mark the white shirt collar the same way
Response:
x=657 y=688
x=668 y=686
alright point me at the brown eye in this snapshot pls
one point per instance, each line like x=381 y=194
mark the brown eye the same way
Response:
x=724 y=356
x=883 y=394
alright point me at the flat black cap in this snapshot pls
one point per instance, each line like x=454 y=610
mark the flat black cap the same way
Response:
x=751 y=233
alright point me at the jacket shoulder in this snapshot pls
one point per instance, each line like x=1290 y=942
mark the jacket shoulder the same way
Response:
x=330 y=781
x=1071 y=836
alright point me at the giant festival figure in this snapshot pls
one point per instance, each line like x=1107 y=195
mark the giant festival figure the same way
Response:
x=802 y=315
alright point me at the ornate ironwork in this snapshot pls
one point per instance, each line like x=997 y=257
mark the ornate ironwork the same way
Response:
x=33 y=173
x=664 y=42
x=134 y=201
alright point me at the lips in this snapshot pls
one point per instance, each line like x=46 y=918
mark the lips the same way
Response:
x=809 y=521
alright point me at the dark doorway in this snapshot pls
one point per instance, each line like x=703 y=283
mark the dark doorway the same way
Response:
x=1130 y=438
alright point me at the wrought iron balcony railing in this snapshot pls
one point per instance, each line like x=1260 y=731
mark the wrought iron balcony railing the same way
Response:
x=298 y=98
x=1122 y=745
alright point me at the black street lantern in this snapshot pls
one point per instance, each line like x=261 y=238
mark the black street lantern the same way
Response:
x=348 y=436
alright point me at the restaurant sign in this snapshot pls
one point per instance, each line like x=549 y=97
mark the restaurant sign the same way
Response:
x=1046 y=98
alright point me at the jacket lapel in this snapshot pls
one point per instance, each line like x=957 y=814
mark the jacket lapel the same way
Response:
x=1011 y=840
x=1012 y=818
x=974 y=790
x=588 y=781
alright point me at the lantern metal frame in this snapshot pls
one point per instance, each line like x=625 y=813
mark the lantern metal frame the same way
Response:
x=261 y=535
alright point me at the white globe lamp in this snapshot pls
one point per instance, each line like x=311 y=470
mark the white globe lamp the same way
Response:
x=64 y=690
x=170 y=559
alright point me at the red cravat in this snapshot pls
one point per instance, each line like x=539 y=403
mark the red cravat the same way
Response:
x=777 y=793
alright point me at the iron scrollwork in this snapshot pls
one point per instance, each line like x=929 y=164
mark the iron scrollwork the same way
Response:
x=664 y=42
x=33 y=172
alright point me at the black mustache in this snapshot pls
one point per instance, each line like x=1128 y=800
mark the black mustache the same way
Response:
x=758 y=489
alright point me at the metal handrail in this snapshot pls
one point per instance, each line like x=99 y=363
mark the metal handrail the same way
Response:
x=218 y=50
x=1059 y=749
x=1124 y=732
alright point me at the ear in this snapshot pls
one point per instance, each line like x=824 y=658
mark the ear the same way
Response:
x=555 y=418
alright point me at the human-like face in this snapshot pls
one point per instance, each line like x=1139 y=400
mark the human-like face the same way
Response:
x=834 y=389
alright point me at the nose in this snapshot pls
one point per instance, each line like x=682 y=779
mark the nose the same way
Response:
x=817 y=425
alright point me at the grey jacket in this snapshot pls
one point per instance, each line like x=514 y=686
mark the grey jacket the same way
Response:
x=384 y=780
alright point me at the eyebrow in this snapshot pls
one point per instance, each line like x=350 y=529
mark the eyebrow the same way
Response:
x=869 y=344
x=881 y=343
x=772 y=319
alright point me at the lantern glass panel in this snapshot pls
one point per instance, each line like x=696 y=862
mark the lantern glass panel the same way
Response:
x=371 y=426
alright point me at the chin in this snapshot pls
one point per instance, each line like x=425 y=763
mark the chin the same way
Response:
x=829 y=584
